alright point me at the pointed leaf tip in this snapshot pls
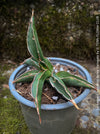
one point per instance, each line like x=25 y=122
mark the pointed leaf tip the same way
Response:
x=38 y=113
x=59 y=85
x=74 y=103
x=32 y=12
x=72 y=80
x=40 y=119
x=33 y=42
x=37 y=87
x=95 y=88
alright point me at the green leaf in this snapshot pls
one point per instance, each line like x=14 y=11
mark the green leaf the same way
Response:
x=34 y=47
x=59 y=85
x=46 y=64
x=37 y=87
x=72 y=80
x=26 y=77
x=32 y=62
x=33 y=42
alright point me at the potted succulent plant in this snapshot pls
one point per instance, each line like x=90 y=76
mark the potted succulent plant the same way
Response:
x=56 y=118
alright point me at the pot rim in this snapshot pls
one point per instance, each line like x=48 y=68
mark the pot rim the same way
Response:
x=50 y=106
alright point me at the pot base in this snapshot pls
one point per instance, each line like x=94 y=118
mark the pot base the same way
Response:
x=53 y=121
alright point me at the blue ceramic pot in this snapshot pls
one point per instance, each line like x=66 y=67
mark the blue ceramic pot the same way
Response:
x=56 y=118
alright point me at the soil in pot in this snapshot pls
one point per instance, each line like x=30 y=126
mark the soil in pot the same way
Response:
x=49 y=94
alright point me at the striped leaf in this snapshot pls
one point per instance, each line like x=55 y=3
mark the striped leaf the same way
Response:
x=32 y=62
x=37 y=87
x=34 y=47
x=59 y=85
x=26 y=77
x=33 y=42
x=72 y=80
x=46 y=64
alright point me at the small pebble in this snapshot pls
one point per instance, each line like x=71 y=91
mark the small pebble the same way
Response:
x=28 y=68
x=71 y=38
x=59 y=10
x=96 y=112
x=55 y=98
x=53 y=68
x=83 y=104
x=56 y=70
x=5 y=97
x=57 y=64
x=85 y=118
x=61 y=69
x=95 y=125
x=45 y=89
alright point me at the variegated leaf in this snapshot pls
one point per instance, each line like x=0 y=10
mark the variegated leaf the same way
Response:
x=33 y=42
x=37 y=86
x=59 y=85
x=26 y=77
x=46 y=64
x=32 y=62
x=72 y=80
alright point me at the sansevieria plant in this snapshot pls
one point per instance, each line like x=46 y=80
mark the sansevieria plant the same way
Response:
x=44 y=72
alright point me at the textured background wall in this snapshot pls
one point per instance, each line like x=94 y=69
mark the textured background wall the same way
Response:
x=65 y=28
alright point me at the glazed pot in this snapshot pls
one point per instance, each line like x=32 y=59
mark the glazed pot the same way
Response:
x=56 y=118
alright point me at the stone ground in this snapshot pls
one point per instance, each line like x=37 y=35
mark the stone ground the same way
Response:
x=90 y=116
x=12 y=121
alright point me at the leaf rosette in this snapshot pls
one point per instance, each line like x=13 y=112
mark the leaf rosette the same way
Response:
x=44 y=72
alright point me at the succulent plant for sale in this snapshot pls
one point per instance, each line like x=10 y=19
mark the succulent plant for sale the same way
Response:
x=44 y=72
